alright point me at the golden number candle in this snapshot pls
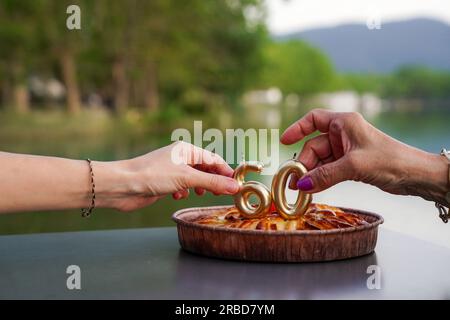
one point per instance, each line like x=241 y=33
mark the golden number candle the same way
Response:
x=242 y=198
x=265 y=197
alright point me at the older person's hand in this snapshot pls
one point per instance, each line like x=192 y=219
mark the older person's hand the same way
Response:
x=350 y=148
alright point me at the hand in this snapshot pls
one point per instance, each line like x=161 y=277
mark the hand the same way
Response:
x=172 y=170
x=350 y=148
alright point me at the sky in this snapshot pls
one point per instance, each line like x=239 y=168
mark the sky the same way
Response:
x=286 y=16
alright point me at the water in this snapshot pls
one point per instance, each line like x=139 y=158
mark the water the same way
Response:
x=410 y=215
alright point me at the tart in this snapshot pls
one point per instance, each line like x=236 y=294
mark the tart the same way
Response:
x=317 y=217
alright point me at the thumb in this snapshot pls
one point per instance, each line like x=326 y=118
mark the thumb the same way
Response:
x=325 y=176
x=212 y=182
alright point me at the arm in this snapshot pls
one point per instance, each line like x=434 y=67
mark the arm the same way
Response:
x=48 y=183
x=350 y=148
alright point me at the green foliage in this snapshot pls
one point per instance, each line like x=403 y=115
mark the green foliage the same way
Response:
x=418 y=82
x=410 y=82
x=296 y=67
x=18 y=34
x=360 y=82
x=194 y=54
x=208 y=47
x=216 y=51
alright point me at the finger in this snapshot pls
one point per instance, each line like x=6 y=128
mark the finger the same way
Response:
x=315 y=150
x=182 y=194
x=325 y=161
x=199 y=191
x=176 y=195
x=293 y=178
x=317 y=119
x=326 y=176
x=214 y=183
x=221 y=169
x=208 y=161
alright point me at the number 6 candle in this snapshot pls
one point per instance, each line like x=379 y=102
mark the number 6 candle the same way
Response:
x=242 y=198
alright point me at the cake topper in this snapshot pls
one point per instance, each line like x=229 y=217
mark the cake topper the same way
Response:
x=265 y=196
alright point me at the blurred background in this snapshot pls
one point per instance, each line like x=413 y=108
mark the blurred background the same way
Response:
x=136 y=70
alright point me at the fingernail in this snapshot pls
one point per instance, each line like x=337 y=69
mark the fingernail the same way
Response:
x=293 y=184
x=305 y=184
x=232 y=186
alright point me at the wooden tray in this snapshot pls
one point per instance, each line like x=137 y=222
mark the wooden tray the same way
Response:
x=275 y=246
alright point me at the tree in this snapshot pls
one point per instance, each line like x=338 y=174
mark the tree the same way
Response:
x=17 y=40
x=162 y=49
x=135 y=53
x=215 y=50
x=63 y=44
x=296 y=67
x=116 y=37
x=418 y=82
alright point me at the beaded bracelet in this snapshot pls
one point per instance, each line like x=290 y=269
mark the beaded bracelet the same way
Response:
x=87 y=212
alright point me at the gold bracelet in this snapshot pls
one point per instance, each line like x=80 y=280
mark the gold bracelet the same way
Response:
x=444 y=213
x=87 y=212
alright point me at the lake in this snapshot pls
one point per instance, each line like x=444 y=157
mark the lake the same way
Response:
x=429 y=131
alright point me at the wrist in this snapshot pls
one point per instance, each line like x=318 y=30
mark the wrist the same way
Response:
x=428 y=176
x=112 y=183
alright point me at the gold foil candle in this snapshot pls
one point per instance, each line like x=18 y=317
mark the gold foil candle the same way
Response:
x=265 y=197
x=242 y=198
x=286 y=210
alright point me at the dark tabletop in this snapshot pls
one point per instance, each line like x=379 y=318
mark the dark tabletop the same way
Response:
x=149 y=264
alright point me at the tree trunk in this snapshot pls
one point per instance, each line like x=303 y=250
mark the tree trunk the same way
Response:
x=70 y=80
x=152 y=94
x=121 y=85
x=21 y=98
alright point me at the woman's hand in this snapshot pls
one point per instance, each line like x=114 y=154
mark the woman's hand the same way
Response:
x=131 y=184
x=350 y=148
x=30 y=183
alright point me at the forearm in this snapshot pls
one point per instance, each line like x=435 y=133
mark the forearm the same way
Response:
x=427 y=176
x=29 y=183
